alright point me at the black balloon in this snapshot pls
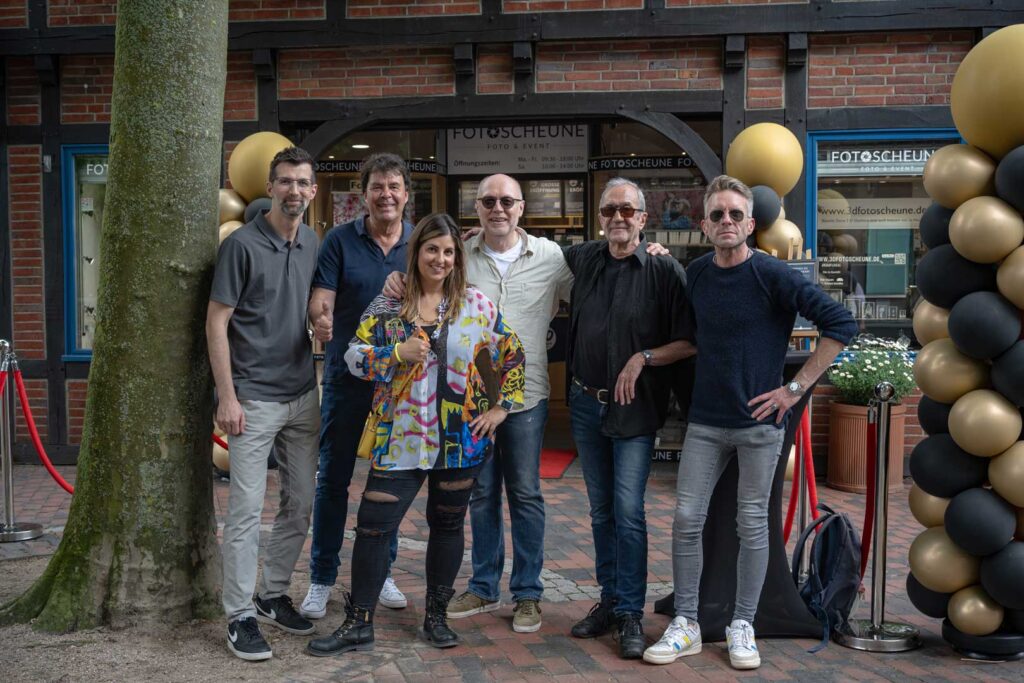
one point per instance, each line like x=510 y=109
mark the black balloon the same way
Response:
x=943 y=469
x=935 y=225
x=980 y=521
x=1008 y=374
x=928 y=602
x=255 y=206
x=944 y=276
x=1013 y=620
x=1010 y=179
x=1001 y=575
x=933 y=416
x=767 y=206
x=1001 y=644
x=984 y=324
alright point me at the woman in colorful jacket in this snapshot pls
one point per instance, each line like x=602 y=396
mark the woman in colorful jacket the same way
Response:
x=432 y=418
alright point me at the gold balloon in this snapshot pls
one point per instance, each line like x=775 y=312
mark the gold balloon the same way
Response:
x=782 y=211
x=249 y=164
x=833 y=210
x=766 y=154
x=985 y=229
x=940 y=564
x=956 y=173
x=973 y=611
x=1006 y=474
x=1010 y=277
x=232 y=206
x=987 y=96
x=784 y=237
x=220 y=458
x=944 y=374
x=930 y=322
x=227 y=229
x=846 y=244
x=927 y=509
x=984 y=423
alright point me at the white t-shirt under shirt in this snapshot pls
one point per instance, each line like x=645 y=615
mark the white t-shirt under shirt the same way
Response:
x=504 y=259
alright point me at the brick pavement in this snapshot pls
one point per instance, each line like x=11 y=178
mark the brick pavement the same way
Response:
x=492 y=652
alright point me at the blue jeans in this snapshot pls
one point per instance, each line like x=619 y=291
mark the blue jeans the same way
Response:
x=343 y=410
x=516 y=461
x=706 y=452
x=615 y=471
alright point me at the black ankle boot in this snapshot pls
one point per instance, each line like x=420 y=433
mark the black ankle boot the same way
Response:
x=355 y=633
x=435 y=621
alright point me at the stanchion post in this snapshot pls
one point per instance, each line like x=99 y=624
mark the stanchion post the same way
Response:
x=876 y=634
x=10 y=530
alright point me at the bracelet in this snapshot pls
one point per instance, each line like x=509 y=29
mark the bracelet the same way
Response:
x=395 y=354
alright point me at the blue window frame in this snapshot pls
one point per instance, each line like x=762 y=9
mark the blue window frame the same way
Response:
x=83 y=185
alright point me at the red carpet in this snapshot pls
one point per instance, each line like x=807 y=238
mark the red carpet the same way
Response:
x=554 y=461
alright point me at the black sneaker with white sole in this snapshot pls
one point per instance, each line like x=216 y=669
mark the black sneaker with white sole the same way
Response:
x=246 y=641
x=281 y=613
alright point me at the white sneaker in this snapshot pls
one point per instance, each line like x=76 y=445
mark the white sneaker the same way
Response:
x=390 y=596
x=743 y=652
x=681 y=639
x=315 y=604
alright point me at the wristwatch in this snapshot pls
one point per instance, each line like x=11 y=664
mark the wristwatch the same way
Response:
x=795 y=388
x=648 y=356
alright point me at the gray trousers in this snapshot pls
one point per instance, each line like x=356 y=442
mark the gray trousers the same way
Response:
x=294 y=427
x=706 y=452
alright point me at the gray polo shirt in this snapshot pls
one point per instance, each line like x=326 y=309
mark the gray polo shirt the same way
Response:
x=267 y=281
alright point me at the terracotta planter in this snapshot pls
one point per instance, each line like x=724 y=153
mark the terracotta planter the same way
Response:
x=847 y=447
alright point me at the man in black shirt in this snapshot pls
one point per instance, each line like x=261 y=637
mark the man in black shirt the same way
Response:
x=628 y=319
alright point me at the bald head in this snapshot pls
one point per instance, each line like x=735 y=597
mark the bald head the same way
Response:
x=499 y=222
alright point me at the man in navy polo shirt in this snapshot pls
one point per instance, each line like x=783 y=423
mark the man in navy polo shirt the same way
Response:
x=354 y=261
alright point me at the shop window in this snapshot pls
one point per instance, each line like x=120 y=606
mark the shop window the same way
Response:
x=863 y=212
x=84 y=181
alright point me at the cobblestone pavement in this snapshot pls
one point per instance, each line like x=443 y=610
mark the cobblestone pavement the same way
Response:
x=492 y=652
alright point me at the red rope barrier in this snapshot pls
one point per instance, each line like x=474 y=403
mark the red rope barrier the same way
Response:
x=219 y=441
x=812 y=486
x=3 y=382
x=34 y=433
x=869 y=512
x=793 y=489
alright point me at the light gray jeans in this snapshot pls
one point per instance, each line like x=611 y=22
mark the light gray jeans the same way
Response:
x=294 y=426
x=706 y=453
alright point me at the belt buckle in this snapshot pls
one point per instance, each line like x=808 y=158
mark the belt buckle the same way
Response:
x=597 y=395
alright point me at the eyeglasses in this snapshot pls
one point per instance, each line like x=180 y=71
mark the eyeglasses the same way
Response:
x=717 y=215
x=303 y=183
x=506 y=202
x=626 y=211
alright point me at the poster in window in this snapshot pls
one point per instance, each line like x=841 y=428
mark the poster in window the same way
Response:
x=543 y=198
x=574 y=197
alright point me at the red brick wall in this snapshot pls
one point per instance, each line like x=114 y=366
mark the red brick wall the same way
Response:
x=81 y=12
x=375 y=9
x=75 y=392
x=630 y=65
x=494 y=70
x=86 y=88
x=97 y=12
x=766 y=69
x=240 y=89
x=13 y=13
x=511 y=6
x=39 y=403
x=893 y=69
x=26 y=224
x=365 y=72
x=23 y=93
x=824 y=394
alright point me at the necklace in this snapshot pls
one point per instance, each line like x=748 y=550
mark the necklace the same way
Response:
x=442 y=307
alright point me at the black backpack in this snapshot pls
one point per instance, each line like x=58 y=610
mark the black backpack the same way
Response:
x=833 y=579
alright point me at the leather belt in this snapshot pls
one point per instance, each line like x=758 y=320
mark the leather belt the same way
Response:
x=600 y=395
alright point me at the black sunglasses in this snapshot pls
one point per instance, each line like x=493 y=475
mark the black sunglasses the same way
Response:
x=735 y=214
x=626 y=211
x=506 y=202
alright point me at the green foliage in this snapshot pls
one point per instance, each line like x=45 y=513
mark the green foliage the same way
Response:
x=868 y=361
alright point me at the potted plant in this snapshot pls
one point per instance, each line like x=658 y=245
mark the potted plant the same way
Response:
x=862 y=365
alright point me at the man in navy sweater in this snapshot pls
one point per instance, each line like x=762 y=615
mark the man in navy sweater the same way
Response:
x=744 y=304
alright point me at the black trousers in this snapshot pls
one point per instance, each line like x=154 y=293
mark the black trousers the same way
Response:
x=379 y=515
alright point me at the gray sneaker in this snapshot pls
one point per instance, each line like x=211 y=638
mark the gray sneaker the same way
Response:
x=468 y=604
x=526 y=616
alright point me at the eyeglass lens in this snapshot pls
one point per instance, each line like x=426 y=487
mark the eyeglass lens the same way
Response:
x=735 y=214
x=608 y=211
x=506 y=202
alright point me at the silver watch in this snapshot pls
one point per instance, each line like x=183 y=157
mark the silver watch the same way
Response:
x=795 y=388
x=648 y=356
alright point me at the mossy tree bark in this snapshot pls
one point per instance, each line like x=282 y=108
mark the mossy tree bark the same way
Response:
x=140 y=542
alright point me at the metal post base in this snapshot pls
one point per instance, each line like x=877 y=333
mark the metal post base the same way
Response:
x=19 y=532
x=859 y=634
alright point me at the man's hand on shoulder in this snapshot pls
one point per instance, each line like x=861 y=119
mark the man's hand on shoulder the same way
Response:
x=657 y=249
x=394 y=285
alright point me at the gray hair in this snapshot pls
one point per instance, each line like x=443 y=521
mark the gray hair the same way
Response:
x=618 y=182
x=726 y=183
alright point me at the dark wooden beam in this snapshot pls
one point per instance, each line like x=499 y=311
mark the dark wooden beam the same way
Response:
x=796 y=120
x=734 y=94
x=936 y=116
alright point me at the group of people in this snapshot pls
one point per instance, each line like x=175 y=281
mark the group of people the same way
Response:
x=436 y=369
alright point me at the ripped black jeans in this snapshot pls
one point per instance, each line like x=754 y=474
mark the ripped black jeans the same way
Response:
x=386 y=499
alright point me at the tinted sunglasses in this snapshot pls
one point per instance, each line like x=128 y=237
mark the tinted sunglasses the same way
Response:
x=506 y=202
x=735 y=214
x=609 y=210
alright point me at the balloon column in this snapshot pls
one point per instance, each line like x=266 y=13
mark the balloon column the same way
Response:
x=247 y=171
x=768 y=158
x=968 y=563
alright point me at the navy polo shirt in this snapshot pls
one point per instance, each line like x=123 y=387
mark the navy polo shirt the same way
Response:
x=353 y=266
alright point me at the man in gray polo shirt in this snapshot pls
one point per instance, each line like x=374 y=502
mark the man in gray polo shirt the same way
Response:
x=262 y=364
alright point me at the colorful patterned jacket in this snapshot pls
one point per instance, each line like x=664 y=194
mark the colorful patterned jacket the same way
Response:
x=420 y=417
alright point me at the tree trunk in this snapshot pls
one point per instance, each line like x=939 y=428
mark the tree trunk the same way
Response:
x=140 y=544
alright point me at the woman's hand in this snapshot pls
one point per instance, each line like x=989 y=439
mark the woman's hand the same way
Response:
x=413 y=350
x=487 y=424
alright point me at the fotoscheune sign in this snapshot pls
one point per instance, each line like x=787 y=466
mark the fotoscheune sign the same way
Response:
x=557 y=148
